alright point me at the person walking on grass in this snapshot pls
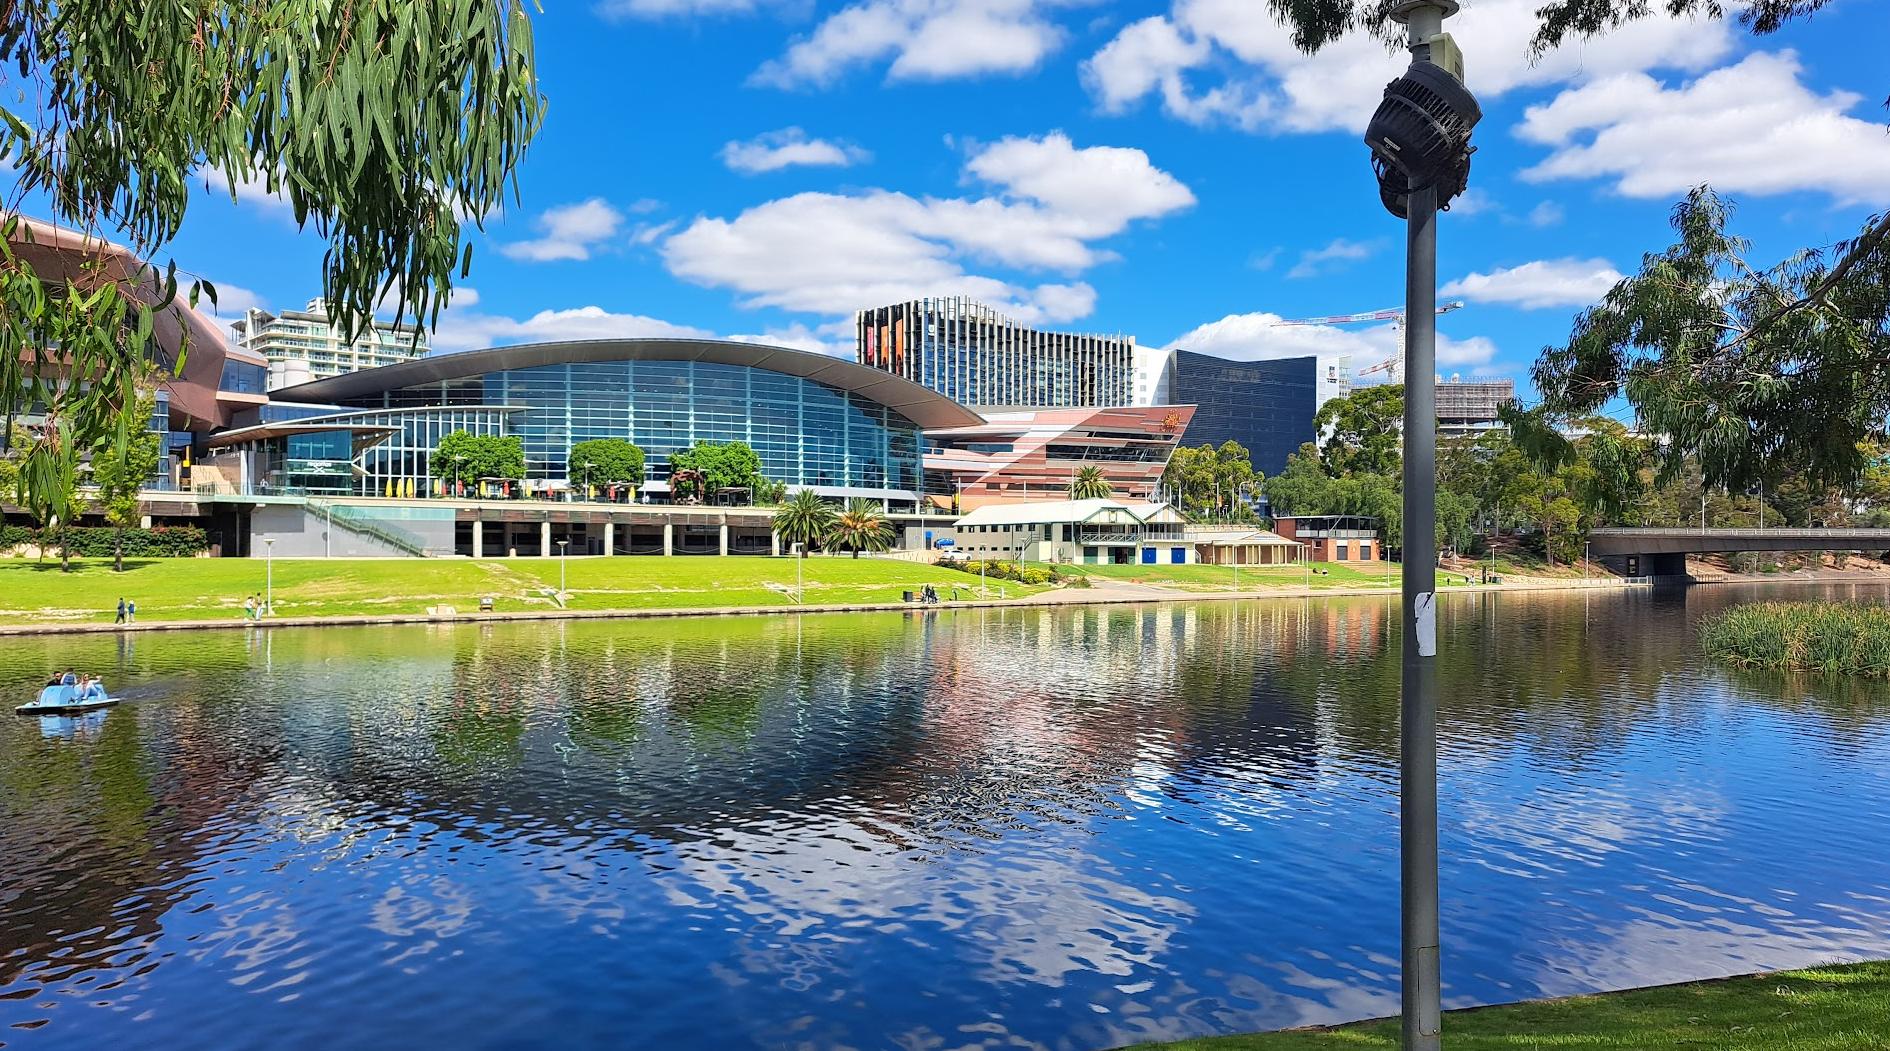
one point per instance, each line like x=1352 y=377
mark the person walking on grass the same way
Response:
x=131 y=611
x=249 y=608
x=121 y=611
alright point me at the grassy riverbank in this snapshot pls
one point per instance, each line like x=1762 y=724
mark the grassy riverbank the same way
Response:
x=214 y=588
x=1824 y=1009
x=1837 y=638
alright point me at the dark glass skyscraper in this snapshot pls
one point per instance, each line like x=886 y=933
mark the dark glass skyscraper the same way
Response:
x=1267 y=406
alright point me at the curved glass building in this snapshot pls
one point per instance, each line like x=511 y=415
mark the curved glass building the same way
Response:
x=815 y=421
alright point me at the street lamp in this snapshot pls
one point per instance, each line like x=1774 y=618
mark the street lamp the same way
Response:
x=563 y=548
x=1420 y=142
x=269 y=575
x=1586 y=544
x=800 y=597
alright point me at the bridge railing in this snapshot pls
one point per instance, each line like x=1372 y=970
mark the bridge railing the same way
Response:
x=1746 y=533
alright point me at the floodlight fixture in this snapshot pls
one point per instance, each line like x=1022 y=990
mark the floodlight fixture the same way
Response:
x=1420 y=135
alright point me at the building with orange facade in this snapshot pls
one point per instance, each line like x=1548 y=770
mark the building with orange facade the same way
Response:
x=1333 y=538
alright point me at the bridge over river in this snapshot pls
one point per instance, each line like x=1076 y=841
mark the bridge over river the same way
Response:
x=1663 y=551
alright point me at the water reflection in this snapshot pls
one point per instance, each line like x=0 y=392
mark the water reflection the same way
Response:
x=1025 y=827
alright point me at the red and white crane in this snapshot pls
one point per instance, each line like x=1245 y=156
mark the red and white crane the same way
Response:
x=1394 y=314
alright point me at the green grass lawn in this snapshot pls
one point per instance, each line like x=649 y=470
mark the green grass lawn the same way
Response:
x=214 y=588
x=1823 y=1009
x=1221 y=578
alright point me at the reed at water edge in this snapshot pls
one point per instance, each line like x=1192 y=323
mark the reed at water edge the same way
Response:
x=1837 y=638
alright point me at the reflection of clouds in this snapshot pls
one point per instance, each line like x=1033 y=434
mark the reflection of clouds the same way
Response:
x=1034 y=915
x=1653 y=949
x=1547 y=831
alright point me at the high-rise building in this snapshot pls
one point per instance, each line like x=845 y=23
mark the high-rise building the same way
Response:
x=1266 y=406
x=1471 y=408
x=977 y=356
x=303 y=345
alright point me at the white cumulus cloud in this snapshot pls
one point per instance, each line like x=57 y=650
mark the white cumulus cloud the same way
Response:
x=1231 y=62
x=1752 y=127
x=925 y=40
x=1543 y=283
x=787 y=148
x=1264 y=336
x=462 y=329
x=1335 y=255
x=569 y=231
x=829 y=253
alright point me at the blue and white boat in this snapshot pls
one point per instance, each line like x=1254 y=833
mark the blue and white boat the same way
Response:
x=65 y=700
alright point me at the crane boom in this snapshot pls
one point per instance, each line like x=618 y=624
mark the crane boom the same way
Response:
x=1392 y=314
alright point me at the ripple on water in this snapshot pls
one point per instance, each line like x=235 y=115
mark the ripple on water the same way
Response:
x=1042 y=828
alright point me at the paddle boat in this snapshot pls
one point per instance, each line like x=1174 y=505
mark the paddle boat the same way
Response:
x=66 y=700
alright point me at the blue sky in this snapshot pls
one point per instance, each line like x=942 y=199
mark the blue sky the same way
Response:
x=759 y=169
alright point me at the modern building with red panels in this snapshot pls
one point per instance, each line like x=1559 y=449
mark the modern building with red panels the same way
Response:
x=1033 y=454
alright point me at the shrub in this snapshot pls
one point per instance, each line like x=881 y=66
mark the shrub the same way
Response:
x=102 y=541
x=1835 y=638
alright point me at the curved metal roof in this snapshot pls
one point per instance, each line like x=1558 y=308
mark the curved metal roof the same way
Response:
x=923 y=406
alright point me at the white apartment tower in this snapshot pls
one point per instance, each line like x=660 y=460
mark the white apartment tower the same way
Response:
x=303 y=345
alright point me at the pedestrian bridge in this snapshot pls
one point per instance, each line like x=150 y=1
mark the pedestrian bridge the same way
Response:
x=1663 y=551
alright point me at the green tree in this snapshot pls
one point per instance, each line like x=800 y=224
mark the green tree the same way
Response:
x=383 y=122
x=604 y=461
x=804 y=519
x=1304 y=488
x=470 y=457
x=1089 y=484
x=861 y=526
x=729 y=466
x=1363 y=431
x=1213 y=482
x=119 y=471
x=1737 y=365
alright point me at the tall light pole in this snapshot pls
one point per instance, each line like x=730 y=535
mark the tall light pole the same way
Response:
x=1420 y=142
x=269 y=575
x=800 y=598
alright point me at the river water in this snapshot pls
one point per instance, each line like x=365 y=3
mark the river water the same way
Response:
x=1058 y=828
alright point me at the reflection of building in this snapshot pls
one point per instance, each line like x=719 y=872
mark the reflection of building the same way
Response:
x=1089 y=531
x=976 y=356
x=302 y=345
x=1333 y=538
x=1471 y=408
x=1015 y=454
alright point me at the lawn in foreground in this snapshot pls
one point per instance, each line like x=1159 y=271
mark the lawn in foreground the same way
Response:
x=214 y=588
x=1843 y=1008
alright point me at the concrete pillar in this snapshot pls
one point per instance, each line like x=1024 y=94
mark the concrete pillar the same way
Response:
x=479 y=539
x=610 y=538
x=724 y=539
x=669 y=538
x=144 y=521
x=774 y=543
x=544 y=539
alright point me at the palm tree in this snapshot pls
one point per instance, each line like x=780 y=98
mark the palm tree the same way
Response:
x=1089 y=484
x=804 y=519
x=861 y=527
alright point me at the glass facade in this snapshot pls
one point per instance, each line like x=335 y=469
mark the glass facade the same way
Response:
x=977 y=356
x=805 y=432
x=241 y=377
x=1267 y=406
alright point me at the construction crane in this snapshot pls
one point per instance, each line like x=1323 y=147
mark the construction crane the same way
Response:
x=1394 y=314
